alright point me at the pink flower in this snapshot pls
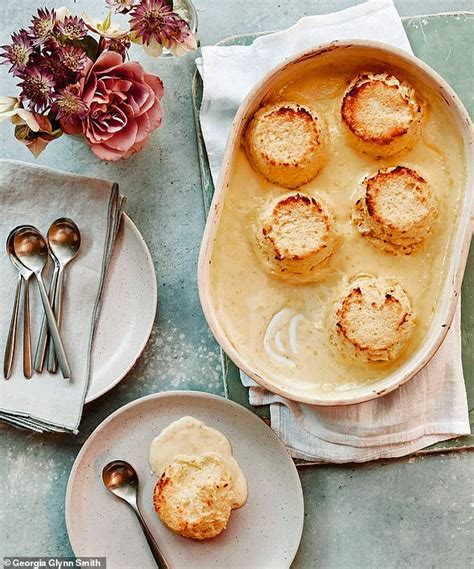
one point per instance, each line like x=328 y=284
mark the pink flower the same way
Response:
x=18 y=53
x=70 y=109
x=42 y=25
x=37 y=86
x=154 y=25
x=124 y=106
x=71 y=28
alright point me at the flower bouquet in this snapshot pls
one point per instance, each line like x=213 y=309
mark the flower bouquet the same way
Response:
x=76 y=77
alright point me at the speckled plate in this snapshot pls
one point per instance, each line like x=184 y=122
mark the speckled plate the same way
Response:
x=264 y=533
x=127 y=313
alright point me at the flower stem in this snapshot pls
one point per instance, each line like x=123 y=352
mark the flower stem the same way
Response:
x=101 y=45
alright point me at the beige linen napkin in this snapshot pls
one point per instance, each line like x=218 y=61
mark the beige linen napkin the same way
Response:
x=37 y=196
x=429 y=408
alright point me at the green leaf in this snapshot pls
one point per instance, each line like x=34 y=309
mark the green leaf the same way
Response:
x=55 y=134
x=90 y=46
x=170 y=3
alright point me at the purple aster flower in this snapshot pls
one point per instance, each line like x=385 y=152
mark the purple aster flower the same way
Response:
x=36 y=87
x=155 y=20
x=120 y=6
x=72 y=57
x=18 y=52
x=72 y=28
x=69 y=108
x=52 y=44
x=51 y=62
x=120 y=45
x=42 y=25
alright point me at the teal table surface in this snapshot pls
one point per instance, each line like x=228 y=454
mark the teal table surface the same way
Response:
x=416 y=512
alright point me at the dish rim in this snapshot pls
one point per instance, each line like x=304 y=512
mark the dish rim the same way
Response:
x=459 y=247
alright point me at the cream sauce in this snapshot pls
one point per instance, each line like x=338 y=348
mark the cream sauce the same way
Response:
x=247 y=298
x=190 y=437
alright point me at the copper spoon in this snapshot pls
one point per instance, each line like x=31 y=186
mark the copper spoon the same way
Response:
x=121 y=479
x=64 y=240
x=23 y=282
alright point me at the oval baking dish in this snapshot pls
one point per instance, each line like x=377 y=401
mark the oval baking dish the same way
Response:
x=224 y=318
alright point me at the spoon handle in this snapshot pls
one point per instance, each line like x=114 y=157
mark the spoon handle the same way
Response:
x=53 y=330
x=57 y=309
x=40 y=354
x=158 y=556
x=11 y=339
x=27 y=363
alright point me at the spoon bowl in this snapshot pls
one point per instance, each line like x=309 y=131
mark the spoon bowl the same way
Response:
x=64 y=239
x=121 y=479
x=29 y=248
x=19 y=266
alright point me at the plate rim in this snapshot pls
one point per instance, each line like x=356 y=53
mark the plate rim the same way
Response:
x=149 y=328
x=172 y=395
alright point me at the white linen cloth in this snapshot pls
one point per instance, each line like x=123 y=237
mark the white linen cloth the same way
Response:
x=429 y=408
x=37 y=196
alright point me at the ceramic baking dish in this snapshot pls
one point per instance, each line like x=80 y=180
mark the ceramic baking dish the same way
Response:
x=459 y=245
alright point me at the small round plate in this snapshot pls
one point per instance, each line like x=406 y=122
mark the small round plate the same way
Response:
x=127 y=312
x=264 y=533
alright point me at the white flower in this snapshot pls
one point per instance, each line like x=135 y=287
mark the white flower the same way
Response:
x=153 y=49
x=8 y=104
x=10 y=107
x=176 y=48
x=62 y=13
x=104 y=28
